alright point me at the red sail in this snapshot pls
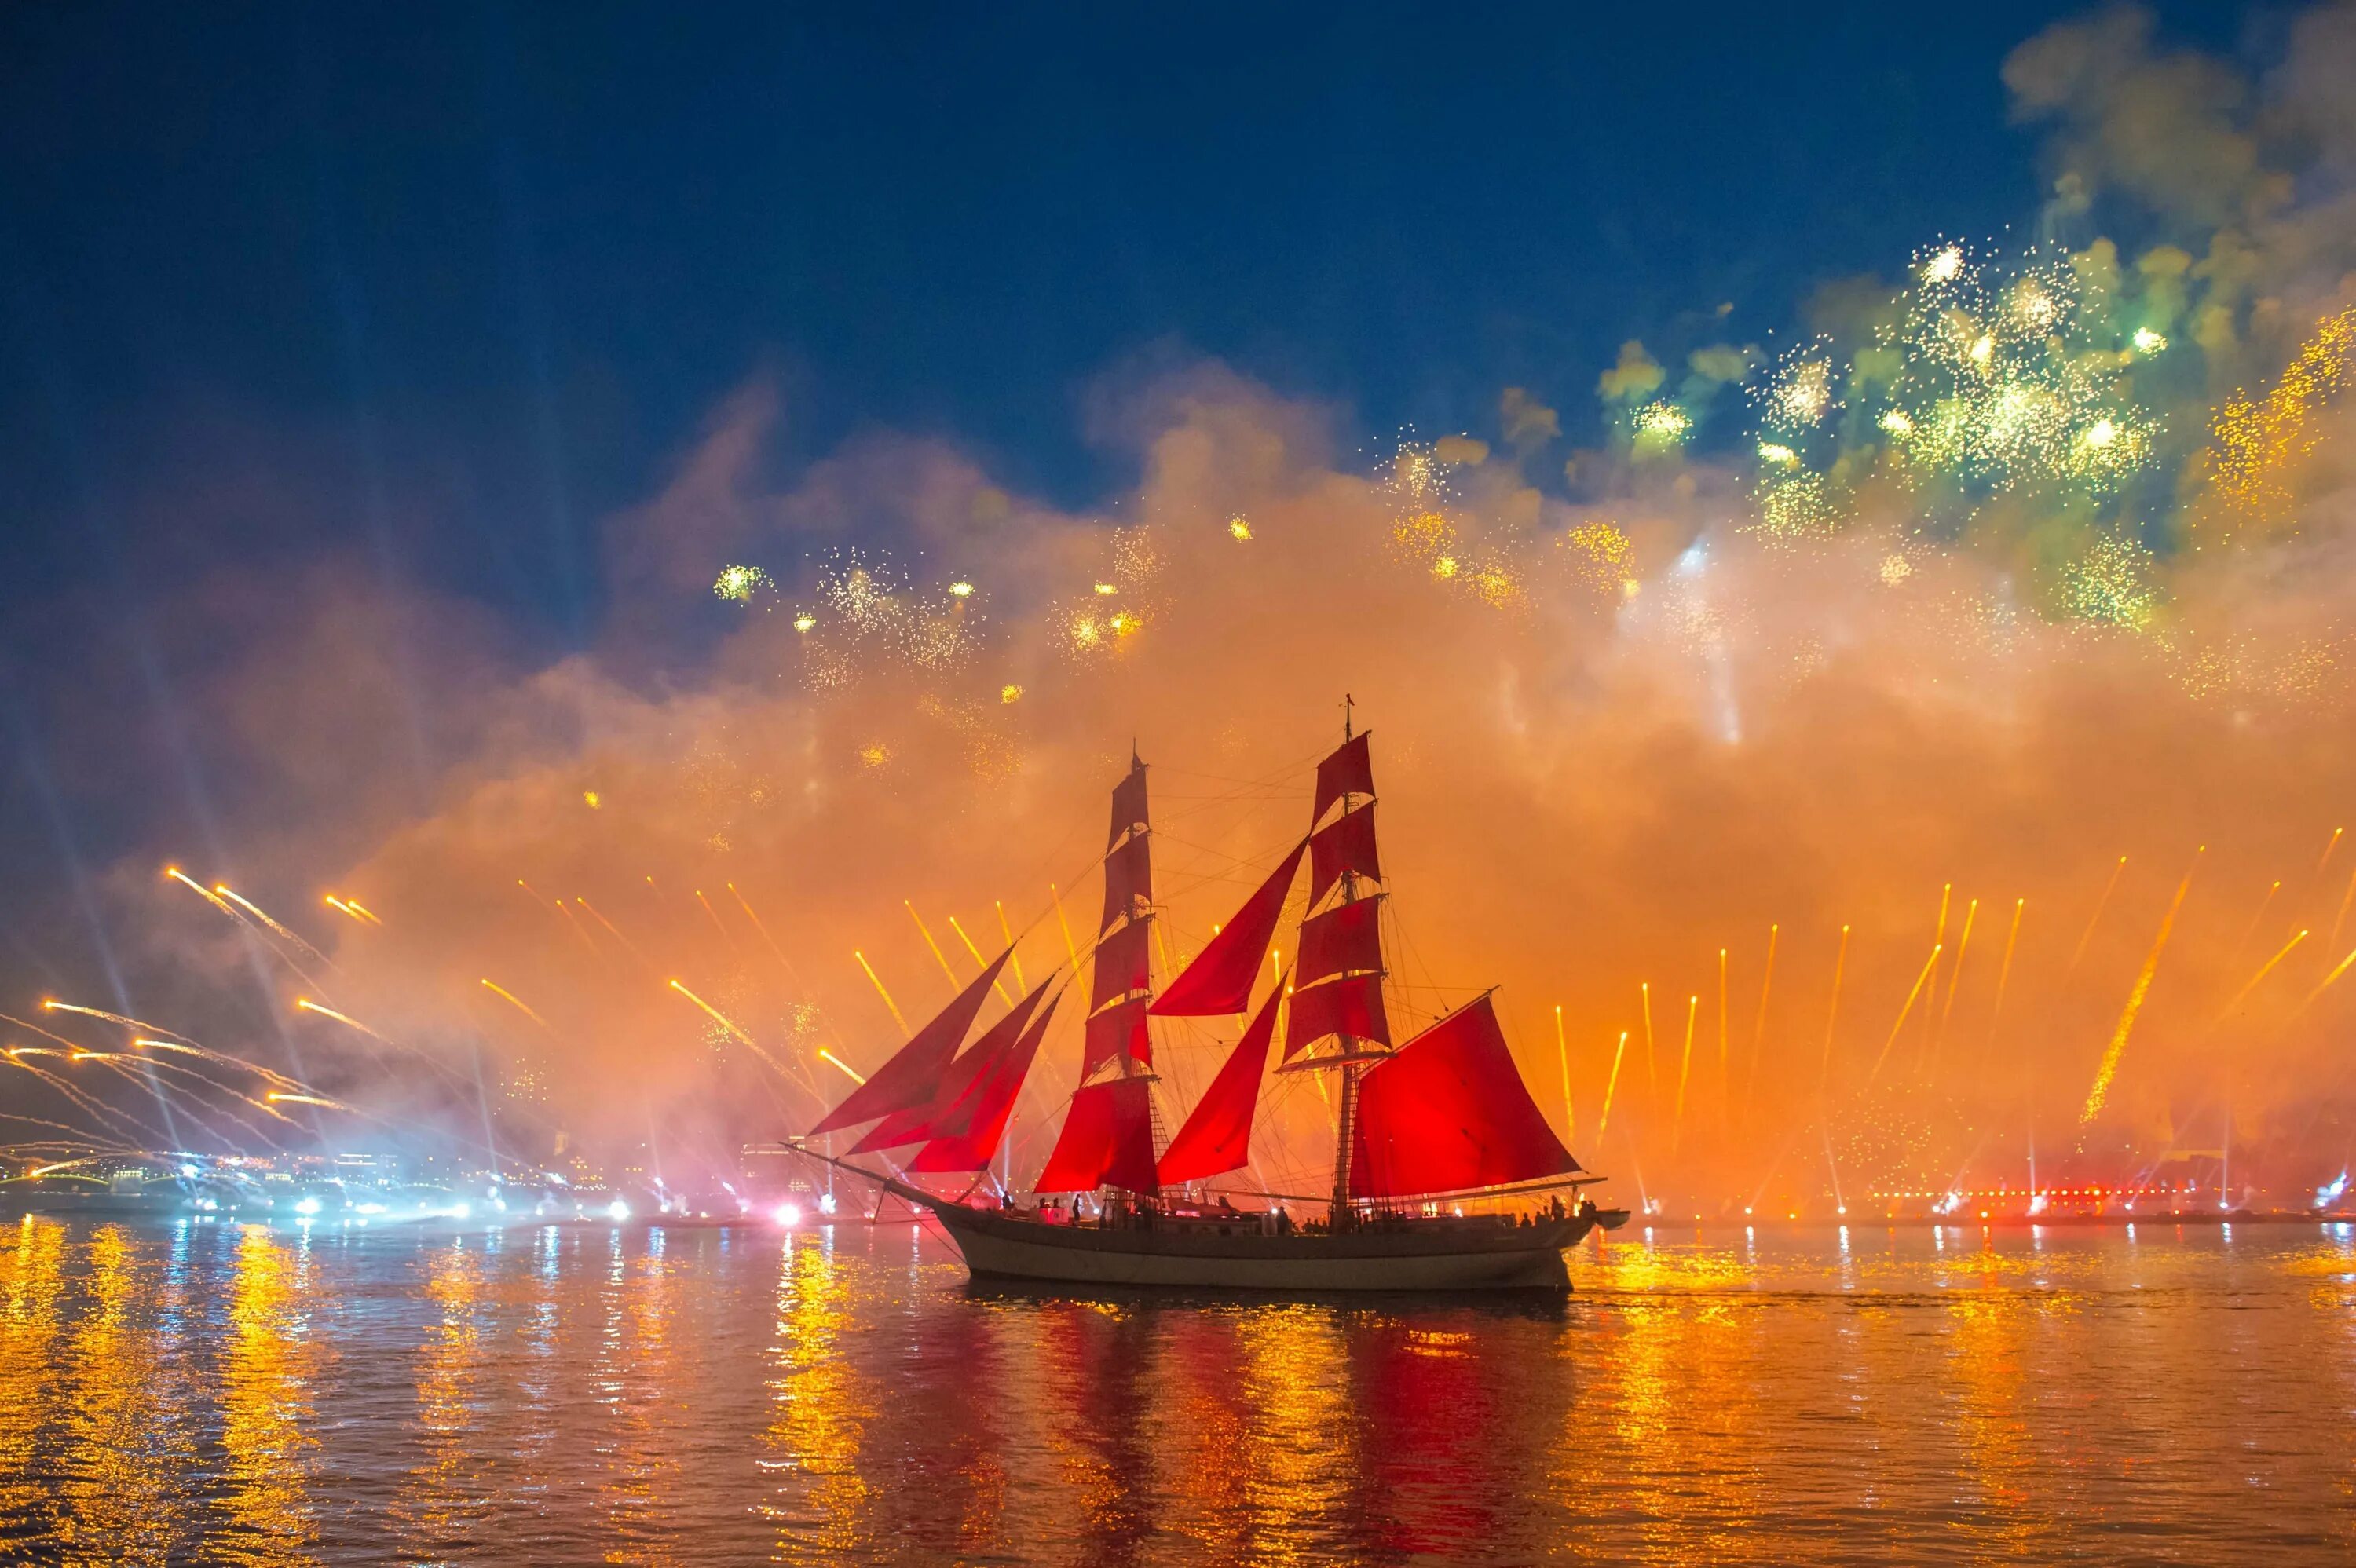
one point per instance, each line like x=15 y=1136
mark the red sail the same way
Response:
x=1119 y=1028
x=1348 y=771
x=1219 y=980
x=1107 y=1141
x=1123 y=963
x=1347 y=844
x=1450 y=1112
x=1345 y=938
x=913 y=1074
x=1129 y=876
x=1127 y=802
x=1352 y=1005
x=1217 y=1134
x=918 y=1123
x=970 y=1132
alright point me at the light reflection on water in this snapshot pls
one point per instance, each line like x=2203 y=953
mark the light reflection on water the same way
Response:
x=250 y=1395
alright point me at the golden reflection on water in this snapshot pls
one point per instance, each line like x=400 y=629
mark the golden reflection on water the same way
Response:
x=434 y=1508
x=635 y=1378
x=120 y=1500
x=265 y=1399
x=819 y=1409
x=264 y=1396
x=32 y=1278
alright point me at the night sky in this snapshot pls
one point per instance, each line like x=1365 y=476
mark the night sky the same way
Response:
x=431 y=289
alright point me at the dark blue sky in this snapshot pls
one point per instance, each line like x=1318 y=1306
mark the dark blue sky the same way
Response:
x=433 y=287
x=493 y=263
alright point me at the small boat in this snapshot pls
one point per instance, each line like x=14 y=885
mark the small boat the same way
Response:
x=1424 y=1129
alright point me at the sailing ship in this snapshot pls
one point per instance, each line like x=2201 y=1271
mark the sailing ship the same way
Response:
x=1423 y=1129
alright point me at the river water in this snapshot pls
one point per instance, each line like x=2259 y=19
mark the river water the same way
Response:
x=203 y=1392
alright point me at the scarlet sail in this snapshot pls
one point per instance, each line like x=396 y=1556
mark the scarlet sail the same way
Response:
x=1348 y=769
x=1347 y=844
x=1129 y=876
x=1346 y=937
x=1120 y=1030
x=1217 y=1134
x=1449 y=1114
x=1351 y=1006
x=913 y=1074
x=1123 y=963
x=1107 y=1141
x=1219 y=980
x=918 y=1123
x=972 y=1129
x=1127 y=802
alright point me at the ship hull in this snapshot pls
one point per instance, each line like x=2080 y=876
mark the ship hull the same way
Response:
x=1415 y=1257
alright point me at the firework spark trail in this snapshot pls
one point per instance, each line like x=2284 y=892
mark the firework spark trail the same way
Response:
x=2100 y=905
x=80 y=1135
x=353 y=912
x=119 y=1120
x=724 y=1021
x=47 y=1034
x=609 y=925
x=2003 y=970
x=2325 y=858
x=513 y=1000
x=264 y=916
x=979 y=962
x=171 y=1040
x=849 y=1072
x=1014 y=960
x=1929 y=965
x=2264 y=970
x=1930 y=1015
x=320 y=1100
x=1758 y=1026
x=2339 y=969
x=1562 y=1055
x=1725 y=1070
x=889 y=1005
x=2252 y=929
x=1070 y=950
x=306 y=1004
x=1832 y=1015
x=214 y=1084
x=716 y=924
x=1685 y=1068
x=563 y=913
x=1652 y=1067
x=774 y=951
x=259 y=933
x=362 y=911
x=1954 y=980
x=2108 y=1071
x=2341 y=919
x=449 y=1074
x=114 y=1061
x=1603 y=1122
x=206 y=1054
x=939 y=957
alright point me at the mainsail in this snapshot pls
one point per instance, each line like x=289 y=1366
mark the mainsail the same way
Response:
x=1216 y=1137
x=1450 y=1112
x=913 y=1076
x=1107 y=1141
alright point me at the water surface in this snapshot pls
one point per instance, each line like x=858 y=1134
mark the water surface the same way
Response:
x=214 y=1392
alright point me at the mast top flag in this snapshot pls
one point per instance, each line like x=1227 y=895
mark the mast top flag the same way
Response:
x=1446 y=1114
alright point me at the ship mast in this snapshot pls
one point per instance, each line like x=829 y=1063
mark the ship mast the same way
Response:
x=1345 y=1121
